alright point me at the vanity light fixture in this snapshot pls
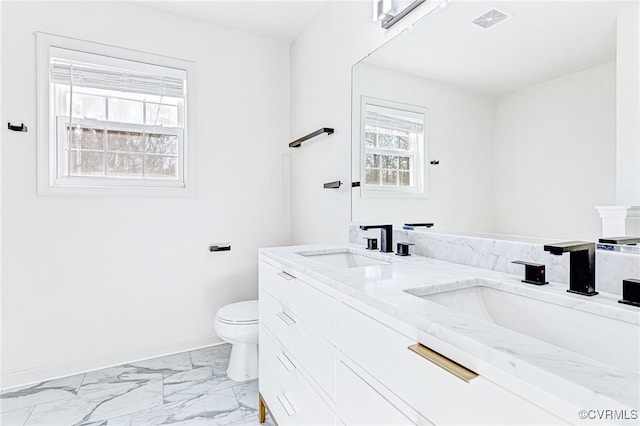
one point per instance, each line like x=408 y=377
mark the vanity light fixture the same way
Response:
x=391 y=11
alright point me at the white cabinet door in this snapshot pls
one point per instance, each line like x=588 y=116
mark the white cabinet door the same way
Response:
x=358 y=403
x=434 y=392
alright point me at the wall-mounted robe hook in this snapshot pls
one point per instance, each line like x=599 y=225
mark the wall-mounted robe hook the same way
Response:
x=434 y=162
x=20 y=128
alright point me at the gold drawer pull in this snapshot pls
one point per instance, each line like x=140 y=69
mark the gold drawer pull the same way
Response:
x=443 y=362
x=286 y=405
x=286 y=318
x=286 y=276
x=290 y=366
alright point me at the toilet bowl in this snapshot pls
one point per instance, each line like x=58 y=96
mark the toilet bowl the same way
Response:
x=237 y=324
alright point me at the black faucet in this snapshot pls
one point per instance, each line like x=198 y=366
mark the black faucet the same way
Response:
x=386 y=236
x=582 y=265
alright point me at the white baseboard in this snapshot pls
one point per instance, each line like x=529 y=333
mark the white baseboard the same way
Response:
x=39 y=374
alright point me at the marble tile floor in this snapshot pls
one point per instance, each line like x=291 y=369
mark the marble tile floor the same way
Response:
x=189 y=388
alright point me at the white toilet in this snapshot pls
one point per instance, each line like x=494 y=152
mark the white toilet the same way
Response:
x=237 y=324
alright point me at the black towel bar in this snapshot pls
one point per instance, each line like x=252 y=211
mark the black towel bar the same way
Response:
x=297 y=142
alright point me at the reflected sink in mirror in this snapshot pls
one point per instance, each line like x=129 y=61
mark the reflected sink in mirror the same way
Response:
x=544 y=316
x=343 y=259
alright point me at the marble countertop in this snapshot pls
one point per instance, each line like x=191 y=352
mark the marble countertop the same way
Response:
x=580 y=380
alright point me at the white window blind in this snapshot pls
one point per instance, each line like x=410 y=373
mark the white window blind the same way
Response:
x=82 y=69
x=393 y=119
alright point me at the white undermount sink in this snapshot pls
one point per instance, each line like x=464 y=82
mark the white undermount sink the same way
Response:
x=343 y=259
x=544 y=316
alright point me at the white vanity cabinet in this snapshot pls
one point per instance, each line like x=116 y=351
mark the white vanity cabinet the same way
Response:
x=297 y=349
x=322 y=361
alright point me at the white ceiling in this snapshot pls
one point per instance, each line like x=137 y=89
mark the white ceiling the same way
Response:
x=278 y=20
x=542 y=41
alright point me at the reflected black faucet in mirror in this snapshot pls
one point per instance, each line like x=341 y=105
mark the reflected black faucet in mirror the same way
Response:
x=632 y=241
x=582 y=265
x=386 y=236
x=412 y=226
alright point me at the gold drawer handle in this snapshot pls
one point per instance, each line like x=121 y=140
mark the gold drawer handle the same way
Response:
x=286 y=276
x=443 y=362
x=286 y=318
x=286 y=405
x=290 y=366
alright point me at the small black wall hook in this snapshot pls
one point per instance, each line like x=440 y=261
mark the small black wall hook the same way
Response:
x=20 y=128
x=336 y=184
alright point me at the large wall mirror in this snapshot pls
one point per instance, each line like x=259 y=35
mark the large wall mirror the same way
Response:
x=516 y=102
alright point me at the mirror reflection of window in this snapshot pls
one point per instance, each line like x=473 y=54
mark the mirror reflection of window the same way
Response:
x=393 y=147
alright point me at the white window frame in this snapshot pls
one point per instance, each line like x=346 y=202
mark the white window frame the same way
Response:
x=420 y=189
x=48 y=182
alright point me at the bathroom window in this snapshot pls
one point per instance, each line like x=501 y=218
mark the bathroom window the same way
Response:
x=393 y=148
x=111 y=119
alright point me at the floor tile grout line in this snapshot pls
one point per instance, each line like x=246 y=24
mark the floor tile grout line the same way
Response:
x=191 y=360
x=29 y=415
x=163 y=390
x=159 y=406
x=84 y=376
x=235 y=394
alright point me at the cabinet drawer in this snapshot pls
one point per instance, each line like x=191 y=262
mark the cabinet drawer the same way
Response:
x=357 y=403
x=289 y=329
x=318 y=309
x=294 y=402
x=275 y=358
x=437 y=394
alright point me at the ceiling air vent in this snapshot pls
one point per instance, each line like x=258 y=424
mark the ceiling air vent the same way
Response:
x=490 y=19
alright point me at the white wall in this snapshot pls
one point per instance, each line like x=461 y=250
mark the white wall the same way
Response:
x=321 y=59
x=459 y=135
x=555 y=151
x=628 y=106
x=92 y=281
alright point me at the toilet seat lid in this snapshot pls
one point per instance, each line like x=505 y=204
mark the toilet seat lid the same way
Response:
x=239 y=313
